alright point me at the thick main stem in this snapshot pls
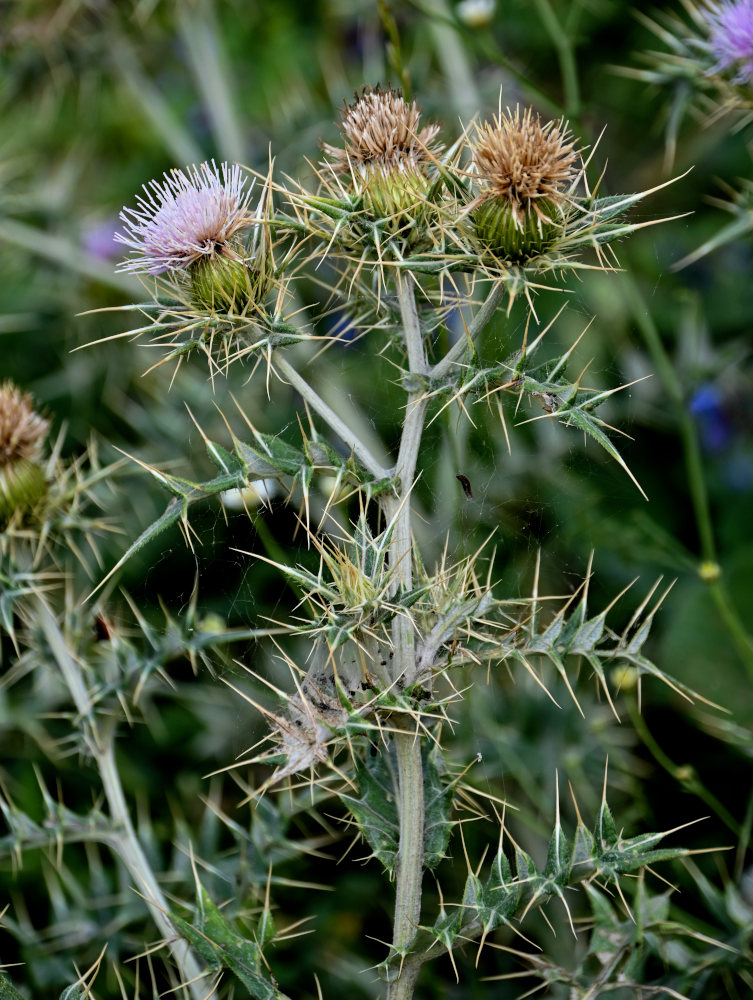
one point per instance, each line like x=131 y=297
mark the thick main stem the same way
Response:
x=410 y=781
x=124 y=840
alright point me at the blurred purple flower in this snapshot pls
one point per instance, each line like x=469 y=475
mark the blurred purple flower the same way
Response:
x=731 y=37
x=99 y=241
x=190 y=216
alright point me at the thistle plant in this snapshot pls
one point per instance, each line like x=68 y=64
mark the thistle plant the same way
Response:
x=390 y=636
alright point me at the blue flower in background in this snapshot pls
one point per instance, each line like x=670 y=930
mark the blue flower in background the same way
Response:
x=724 y=427
x=707 y=406
x=342 y=327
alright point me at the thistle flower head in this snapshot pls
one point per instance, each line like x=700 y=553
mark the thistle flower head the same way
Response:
x=381 y=131
x=731 y=37
x=524 y=162
x=189 y=217
x=21 y=428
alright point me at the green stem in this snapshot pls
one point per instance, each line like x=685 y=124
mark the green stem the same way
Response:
x=410 y=783
x=685 y=774
x=410 y=788
x=565 y=56
x=730 y=617
x=410 y=855
x=693 y=469
x=316 y=402
x=463 y=344
x=123 y=840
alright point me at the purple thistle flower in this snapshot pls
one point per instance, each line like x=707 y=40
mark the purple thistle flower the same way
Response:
x=731 y=37
x=189 y=217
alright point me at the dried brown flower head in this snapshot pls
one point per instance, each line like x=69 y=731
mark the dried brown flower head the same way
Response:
x=524 y=162
x=21 y=428
x=381 y=131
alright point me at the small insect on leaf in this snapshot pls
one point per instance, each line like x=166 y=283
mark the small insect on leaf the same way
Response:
x=102 y=629
x=548 y=401
x=466 y=484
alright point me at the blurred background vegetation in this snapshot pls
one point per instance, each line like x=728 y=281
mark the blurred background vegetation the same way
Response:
x=99 y=96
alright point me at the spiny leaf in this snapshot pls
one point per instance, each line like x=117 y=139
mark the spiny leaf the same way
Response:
x=224 y=460
x=605 y=831
x=221 y=946
x=375 y=811
x=437 y=797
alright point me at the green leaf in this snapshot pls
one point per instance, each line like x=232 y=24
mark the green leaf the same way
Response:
x=589 y=424
x=605 y=831
x=270 y=456
x=7 y=990
x=224 y=460
x=74 y=992
x=447 y=926
x=589 y=634
x=613 y=205
x=438 y=801
x=255 y=464
x=375 y=810
x=221 y=946
x=559 y=857
x=501 y=893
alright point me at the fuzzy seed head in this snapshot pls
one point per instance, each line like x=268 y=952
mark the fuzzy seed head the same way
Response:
x=731 y=37
x=381 y=132
x=523 y=162
x=21 y=428
x=189 y=217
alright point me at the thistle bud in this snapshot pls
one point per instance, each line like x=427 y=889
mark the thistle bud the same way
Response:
x=22 y=480
x=524 y=168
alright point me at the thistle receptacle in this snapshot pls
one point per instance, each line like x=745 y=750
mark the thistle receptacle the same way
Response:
x=524 y=168
x=386 y=153
x=22 y=479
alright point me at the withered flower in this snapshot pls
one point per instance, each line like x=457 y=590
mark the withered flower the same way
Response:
x=385 y=150
x=22 y=480
x=524 y=168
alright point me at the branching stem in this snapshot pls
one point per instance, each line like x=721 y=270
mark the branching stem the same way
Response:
x=482 y=317
x=315 y=401
x=124 y=841
x=410 y=786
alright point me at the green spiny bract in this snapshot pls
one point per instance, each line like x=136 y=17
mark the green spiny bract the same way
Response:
x=510 y=238
x=228 y=283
